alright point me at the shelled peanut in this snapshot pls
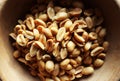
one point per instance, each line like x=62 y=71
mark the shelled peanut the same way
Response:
x=59 y=43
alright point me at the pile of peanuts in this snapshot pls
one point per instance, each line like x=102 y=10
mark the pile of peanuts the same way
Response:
x=60 y=44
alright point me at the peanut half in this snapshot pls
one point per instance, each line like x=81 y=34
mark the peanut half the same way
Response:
x=60 y=42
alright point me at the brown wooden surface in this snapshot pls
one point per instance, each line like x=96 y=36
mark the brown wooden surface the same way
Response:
x=10 y=70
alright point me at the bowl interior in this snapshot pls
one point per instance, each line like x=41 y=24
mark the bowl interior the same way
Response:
x=12 y=10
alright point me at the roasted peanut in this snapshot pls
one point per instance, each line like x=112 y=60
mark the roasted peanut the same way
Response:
x=89 y=22
x=49 y=66
x=56 y=51
x=20 y=31
x=51 y=13
x=43 y=17
x=67 y=36
x=68 y=67
x=70 y=46
x=39 y=55
x=98 y=63
x=75 y=12
x=43 y=40
x=80 y=31
x=78 y=70
x=79 y=75
x=33 y=50
x=82 y=23
x=64 y=63
x=30 y=23
x=85 y=36
x=87 y=46
x=79 y=38
x=17 y=27
x=39 y=22
x=54 y=28
x=105 y=45
x=50 y=44
x=46 y=57
x=60 y=34
x=22 y=60
x=73 y=27
x=62 y=23
x=92 y=35
x=68 y=24
x=60 y=44
x=28 y=57
x=56 y=70
x=16 y=54
x=71 y=72
x=21 y=40
x=94 y=45
x=102 y=56
x=102 y=32
x=79 y=60
x=87 y=71
x=88 y=60
x=75 y=53
x=36 y=34
x=96 y=51
x=63 y=53
x=29 y=35
x=73 y=62
x=61 y=16
x=39 y=44
x=47 y=32
x=64 y=43
x=41 y=65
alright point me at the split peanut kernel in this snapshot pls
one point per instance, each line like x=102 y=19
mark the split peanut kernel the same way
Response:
x=70 y=46
x=87 y=71
x=49 y=66
x=59 y=43
x=98 y=63
x=64 y=63
x=60 y=34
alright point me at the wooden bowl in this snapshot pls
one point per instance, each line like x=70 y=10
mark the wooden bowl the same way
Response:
x=11 y=70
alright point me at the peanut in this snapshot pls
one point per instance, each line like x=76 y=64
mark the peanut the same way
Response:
x=60 y=44
x=60 y=34
x=98 y=63
x=70 y=46
x=49 y=66
x=96 y=51
x=87 y=71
